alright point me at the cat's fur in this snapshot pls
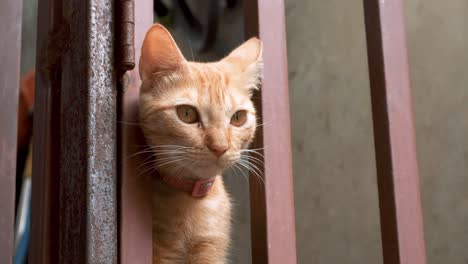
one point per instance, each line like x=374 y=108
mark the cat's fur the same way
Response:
x=187 y=229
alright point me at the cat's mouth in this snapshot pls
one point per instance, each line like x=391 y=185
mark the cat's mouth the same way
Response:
x=183 y=160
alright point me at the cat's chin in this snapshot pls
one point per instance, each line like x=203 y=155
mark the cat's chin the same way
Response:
x=211 y=170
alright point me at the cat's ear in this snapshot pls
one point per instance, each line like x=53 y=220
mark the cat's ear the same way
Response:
x=159 y=53
x=248 y=58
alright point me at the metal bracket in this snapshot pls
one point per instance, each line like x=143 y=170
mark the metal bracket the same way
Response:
x=125 y=23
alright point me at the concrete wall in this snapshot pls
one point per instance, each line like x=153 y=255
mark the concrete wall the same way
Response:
x=335 y=178
x=437 y=41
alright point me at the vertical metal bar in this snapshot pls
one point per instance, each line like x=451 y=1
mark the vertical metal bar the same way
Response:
x=397 y=169
x=135 y=191
x=46 y=151
x=272 y=206
x=75 y=146
x=88 y=174
x=10 y=46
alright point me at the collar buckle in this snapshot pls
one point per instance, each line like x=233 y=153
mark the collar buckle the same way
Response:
x=202 y=187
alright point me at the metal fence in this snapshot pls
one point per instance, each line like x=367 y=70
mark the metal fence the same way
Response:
x=87 y=207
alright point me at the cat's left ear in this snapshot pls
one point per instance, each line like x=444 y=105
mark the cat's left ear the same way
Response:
x=248 y=58
x=160 y=54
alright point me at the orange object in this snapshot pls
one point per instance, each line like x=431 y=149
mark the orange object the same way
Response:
x=26 y=103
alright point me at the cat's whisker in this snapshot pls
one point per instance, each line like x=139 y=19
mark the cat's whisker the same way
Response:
x=254 y=159
x=155 y=146
x=255 y=149
x=149 y=149
x=169 y=162
x=150 y=168
x=255 y=170
x=155 y=159
x=257 y=180
x=250 y=152
x=250 y=155
x=163 y=147
x=168 y=158
x=243 y=173
x=159 y=151
x=139 y=153
x=168 y=152
x=156 y=152
x=171 y=146
x=191 y=51
x=232 y=172
x=174 y=170
x=129 y=123
x=147 y=161
x=262 y=124
x=180 y=168
x=157 y=165
x=253 y=165
x=252 y=169
x=149 y=157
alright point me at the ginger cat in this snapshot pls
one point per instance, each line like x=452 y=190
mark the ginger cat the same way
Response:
x=198 y=120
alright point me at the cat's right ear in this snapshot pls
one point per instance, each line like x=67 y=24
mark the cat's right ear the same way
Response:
x=159 y=54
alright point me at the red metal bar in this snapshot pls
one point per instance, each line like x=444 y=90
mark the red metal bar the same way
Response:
x=397 y=169
x=10 y=47
x=45 y=192
x=135 y=191
x=272 y=205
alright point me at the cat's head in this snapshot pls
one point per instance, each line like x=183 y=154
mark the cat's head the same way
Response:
x=197 y=117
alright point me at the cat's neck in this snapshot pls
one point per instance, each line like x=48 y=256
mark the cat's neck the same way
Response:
x=189 y=183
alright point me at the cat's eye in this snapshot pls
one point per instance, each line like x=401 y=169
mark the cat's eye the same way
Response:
x=239 y=118
x=187 y=114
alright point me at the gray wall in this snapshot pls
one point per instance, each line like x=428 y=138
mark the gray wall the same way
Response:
x=437 y=41
x=335 y=178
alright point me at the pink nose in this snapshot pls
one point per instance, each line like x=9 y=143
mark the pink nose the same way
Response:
x=218 y=150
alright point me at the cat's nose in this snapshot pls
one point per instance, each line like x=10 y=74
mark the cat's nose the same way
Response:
x=218 y=150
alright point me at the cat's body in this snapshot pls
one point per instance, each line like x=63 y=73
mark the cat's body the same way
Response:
x=188 y=230
x=198 y=120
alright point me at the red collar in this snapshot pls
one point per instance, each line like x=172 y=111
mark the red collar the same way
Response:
x=197 y=188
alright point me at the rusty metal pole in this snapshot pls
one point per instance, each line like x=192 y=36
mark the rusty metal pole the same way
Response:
x=395 y=144
x=272 y=205
x=88 y=174
x=75 y=135
x=10 y=48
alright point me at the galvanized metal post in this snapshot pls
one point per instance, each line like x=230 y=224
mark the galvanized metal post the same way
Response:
x=272 y=205
x=10 y=47
x=395 y=146
x=76 y=95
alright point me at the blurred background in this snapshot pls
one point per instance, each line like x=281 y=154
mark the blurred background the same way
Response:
x=336 y=199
